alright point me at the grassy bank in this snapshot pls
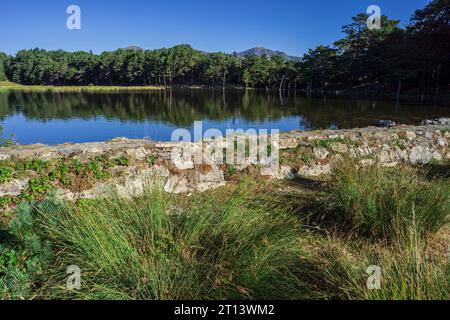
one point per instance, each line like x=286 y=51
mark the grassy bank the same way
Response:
x=265 y=240
x=6 y=85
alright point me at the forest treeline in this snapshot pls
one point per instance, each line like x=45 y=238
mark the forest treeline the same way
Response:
x=414 y=59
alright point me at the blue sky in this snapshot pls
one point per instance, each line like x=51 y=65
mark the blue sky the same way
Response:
x=292 y=26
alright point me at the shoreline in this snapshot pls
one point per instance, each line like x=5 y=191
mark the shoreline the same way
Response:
x=283 y=135
x=41 y=88
x=347 y=93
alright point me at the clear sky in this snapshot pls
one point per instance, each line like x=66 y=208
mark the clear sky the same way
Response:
x=292 y=26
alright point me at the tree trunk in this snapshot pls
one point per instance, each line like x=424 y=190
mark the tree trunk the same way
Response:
x=224 y=80
x=399 y=89
x=281 y=84
x=438 y=79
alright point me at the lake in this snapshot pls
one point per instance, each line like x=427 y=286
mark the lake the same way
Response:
x=51 y=118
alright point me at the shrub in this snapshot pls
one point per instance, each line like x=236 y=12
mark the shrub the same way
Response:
x=33 y=165
x=5 y=174
x=25 y=252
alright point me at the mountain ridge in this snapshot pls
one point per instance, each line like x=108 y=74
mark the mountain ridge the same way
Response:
x=259 y=51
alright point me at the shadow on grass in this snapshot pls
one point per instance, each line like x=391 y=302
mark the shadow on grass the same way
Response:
x=6 y=237
x=309 y=184
x=436 y=170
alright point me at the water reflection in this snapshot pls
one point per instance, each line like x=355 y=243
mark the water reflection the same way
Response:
x=49 y=117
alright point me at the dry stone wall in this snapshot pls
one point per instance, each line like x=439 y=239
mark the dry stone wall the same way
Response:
x=151 y=163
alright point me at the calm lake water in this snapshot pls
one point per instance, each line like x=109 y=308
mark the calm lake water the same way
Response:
x=50 y=118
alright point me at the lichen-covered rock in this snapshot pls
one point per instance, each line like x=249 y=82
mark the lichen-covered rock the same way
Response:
x=442 y=142
x=321 y=153
x=439 y=121
x=13 y=188
x=386 y=123
x=160 y=171
x=410 y=135
x=420 y=154
x=213 y=175
x=339 y=147
x=139 y=153
x=176 y=184
x=315 y=170
x=286 y=172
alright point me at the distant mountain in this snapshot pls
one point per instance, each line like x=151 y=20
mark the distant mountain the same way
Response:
x=133 y=48
x=259 y=51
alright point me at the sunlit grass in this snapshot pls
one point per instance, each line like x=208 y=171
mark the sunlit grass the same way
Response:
x=153 y=248
x=385 y=203
x=253 y=240
x=394 y=218
x=6 y=85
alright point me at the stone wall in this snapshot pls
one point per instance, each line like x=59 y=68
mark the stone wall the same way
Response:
x=151 y=163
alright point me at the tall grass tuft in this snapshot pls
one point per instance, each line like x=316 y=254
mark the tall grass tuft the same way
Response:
x=239 y=242
x=385 y=203
x=393 y=218
x=214 y=246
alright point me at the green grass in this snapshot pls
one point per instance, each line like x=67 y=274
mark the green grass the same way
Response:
x=327 y=143
x=5 y=174
x=399 y=144
x=8 y=84
x=385 y=203
x=336 y=268
x=5 y=201
x=5 y=85
x=394 y=218
x=151 y=248
x=230 y=171
x=254 y=240
x=297 y=157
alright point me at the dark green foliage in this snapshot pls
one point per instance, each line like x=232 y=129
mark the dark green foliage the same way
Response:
x=151 y=160
x=4 y=59
x=230 y=171
x=388 y=60
x=5 y=174
x=24 y=253
x=33 y=165
x=37 y=189
x=60 y=173
x=5 y=201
